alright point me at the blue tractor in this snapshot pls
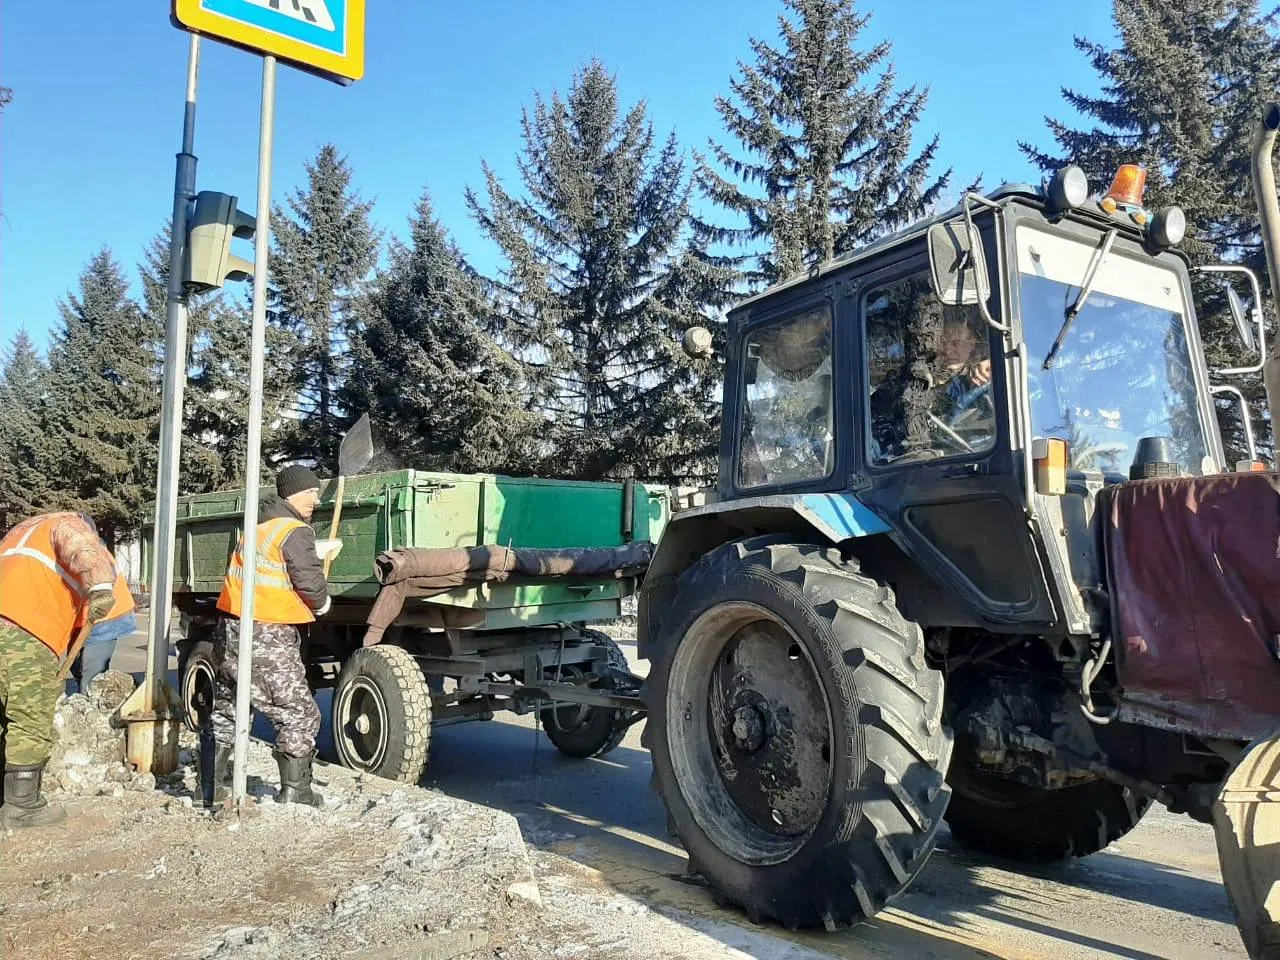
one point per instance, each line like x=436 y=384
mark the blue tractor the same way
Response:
x=954 y=570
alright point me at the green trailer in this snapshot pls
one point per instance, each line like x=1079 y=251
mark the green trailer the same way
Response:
x=520 y=644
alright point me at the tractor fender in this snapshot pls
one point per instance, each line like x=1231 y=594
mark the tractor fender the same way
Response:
x=691 y=534
x=1246 y=820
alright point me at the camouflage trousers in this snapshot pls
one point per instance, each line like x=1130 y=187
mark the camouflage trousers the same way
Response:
x=277 y=686
x=29 y=690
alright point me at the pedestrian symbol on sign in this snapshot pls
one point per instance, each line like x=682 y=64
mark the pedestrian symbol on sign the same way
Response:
x=308 y=11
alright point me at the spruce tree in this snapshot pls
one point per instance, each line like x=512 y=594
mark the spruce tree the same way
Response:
x=1182 y=95
x=24 y=455
x=322 y=253
x=444 y=395
x=589 y=298
x=822 y=159
x=683 y=421
x=104 y=402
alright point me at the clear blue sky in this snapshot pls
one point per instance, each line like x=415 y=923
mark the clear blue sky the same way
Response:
x=86 y=148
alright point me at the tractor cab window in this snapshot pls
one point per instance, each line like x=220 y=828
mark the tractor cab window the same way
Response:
x=788 y=433
x=929 y=375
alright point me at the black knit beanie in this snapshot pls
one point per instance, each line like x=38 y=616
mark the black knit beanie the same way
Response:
x=294 y=479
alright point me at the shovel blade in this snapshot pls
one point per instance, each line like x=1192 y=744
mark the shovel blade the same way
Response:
x=356 y=449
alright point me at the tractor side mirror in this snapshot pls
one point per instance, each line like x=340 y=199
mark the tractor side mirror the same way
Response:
x=1248 y=322
x=698 y=343
x=958 y=264
x=1242 y=324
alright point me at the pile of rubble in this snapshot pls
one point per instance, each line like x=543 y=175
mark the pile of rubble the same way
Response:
x=88 y=754
x=385 y=871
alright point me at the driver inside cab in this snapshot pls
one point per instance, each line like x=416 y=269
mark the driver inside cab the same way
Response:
x=964 y=360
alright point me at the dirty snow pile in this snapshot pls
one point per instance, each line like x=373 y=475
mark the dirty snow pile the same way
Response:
x=88 y=752
x=452 y=874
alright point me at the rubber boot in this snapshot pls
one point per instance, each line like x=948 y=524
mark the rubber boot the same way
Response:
x=213 y=775
x=23 y=804
x=295 y=780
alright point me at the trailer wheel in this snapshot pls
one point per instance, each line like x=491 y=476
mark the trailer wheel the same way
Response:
x=196 y=681
x=1035 y=825
x=584 y=731
x=797 y=733
x=381 y=714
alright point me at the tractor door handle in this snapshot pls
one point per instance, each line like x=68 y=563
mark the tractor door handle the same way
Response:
x=965 y=470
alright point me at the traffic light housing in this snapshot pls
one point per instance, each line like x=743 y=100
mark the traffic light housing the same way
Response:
x=213 y=223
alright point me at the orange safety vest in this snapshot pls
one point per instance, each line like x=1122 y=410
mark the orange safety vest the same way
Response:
x=124 y=602
x=36 y=592
x=124 y=598
x=274 y=599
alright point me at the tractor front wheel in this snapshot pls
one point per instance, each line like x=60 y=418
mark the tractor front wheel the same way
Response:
x=1037 y=825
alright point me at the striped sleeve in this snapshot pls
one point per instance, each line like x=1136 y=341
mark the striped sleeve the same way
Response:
x=82 y=553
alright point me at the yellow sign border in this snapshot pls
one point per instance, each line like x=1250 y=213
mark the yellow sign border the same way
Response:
x=189 y=15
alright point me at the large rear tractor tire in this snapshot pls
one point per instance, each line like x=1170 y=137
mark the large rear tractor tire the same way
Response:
x=382 y=714
x=796 y=733
x=583 y=731
x=1036 y=825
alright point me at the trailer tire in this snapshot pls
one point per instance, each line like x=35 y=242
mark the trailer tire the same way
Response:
x=1032 y=825
x=596 y=730
x=762 y=635
x=381 y=716
x=196 y=680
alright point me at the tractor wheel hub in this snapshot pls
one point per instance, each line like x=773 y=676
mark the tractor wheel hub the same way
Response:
x=748 y=728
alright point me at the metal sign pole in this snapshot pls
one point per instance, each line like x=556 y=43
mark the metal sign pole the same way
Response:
x=175 y=381
x=262 y=244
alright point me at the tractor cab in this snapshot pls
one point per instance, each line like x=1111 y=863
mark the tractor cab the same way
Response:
x=969 y=384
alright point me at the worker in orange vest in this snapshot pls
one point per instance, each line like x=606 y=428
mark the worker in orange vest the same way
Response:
x=290 y=590
x=55 y=573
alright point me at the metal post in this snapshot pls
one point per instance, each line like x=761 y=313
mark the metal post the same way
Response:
x=175 y=381
x=262 y=244
x=1264 y=189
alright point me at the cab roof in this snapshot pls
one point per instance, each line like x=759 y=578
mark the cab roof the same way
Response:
x=1003 y=195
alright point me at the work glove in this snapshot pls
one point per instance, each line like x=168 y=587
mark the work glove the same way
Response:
x=100 y=603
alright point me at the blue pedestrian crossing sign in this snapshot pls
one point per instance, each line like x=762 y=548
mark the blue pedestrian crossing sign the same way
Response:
x=323 y=36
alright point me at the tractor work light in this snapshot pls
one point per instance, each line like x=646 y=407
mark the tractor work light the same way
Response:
x=1068 y=189
x=1168 y=227
x=1050 y=457
x=1126 y=189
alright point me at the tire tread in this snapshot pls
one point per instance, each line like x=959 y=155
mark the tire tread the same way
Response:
x=891 y=827
x=415 y=698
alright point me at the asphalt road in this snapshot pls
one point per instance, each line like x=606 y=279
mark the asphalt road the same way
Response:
x=1155 y=894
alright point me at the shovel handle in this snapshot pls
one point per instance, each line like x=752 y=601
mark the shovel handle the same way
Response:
x=74 y=651
x=337 y=515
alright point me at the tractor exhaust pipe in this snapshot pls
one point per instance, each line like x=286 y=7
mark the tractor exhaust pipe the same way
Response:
x=1264 y=189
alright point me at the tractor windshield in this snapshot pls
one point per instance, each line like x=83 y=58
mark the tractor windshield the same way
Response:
x=1124 y=369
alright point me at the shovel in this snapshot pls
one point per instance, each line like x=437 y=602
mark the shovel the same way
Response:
x=74 y=651
x=354 y=454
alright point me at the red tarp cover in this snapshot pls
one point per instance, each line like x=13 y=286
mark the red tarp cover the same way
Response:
x=1195 y=589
